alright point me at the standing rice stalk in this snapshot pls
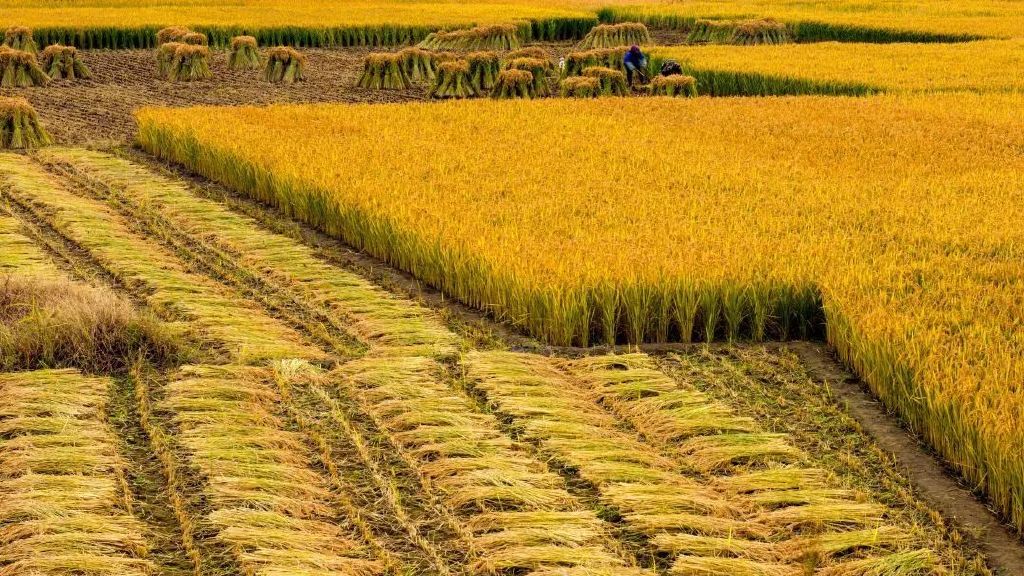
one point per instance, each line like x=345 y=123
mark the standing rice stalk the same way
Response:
x=384 y=71
x=539 y=69
x=418 y=64
x=285 y=65
x=484 y=68
x=19 y=69
x=677 y=85
x=581 y=87
x=63 y=63
x=171 y=34
x=245 y=54
x=612 y=35
x=19 y=125
x=20 y=38
x=497 y=37
x=187 y=62
x=514 y=84
x=613 y=82
x=453 y=81
x=195 y=38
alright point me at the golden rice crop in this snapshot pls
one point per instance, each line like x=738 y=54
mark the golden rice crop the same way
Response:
x=871 y=21
x=993 y=66
x=891 y=222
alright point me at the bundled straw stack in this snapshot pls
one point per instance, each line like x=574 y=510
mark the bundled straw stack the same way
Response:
x=19 y=125
x=497 y=37
x=19 y=69
x=581 y=87
x=285 y=65
x=245 y=54
x=612 y=82
x=677 y=85
x=452 y=81
x=63 y=63
x=418 y=64
x=20 y=38
x=514 y=84
x=177 y=61
x=613 y=35
x=384 y=71
x=742 y=32
x=538 y=68
x=576 y=62
x=171 y=34
x=484 y=68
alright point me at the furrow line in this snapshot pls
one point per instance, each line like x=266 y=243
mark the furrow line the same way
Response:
x=150 y=272
x=388 y=325
x=517 y=515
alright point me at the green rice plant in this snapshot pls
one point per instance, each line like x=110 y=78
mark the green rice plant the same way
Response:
x=496 y=37
x=515 y=512
x=613 y=82
x=612 y=35
x=227 y=323
x=577 y=62
x=20 y=38
x=265 y=499
x=58 y=323
x=386 y=324
x=19 y=69
x=484 y=68
x=513 y=84
x=20 y=126
x=187 y=63
x=583 y=87
x=539 y=69
x=453 y=81
x=285 y=65
x=171 y=34
x=677 y=85
x=384 y=71
x=63 y=63
x=419 y=64
x=195 y=39
x=245 y=54
x=64 y=488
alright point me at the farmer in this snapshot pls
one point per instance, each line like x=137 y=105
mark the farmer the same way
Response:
x=635 y=61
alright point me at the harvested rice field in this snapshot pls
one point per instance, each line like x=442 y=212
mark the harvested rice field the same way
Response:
x=397 y=288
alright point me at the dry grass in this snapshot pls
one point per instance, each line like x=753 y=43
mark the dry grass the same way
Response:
x=218 y=315
x=516 y=514
x=20 y=127
x=284 y=65
x=65 y=509
x=266 y=503
x=64 y=63
x=388 y=325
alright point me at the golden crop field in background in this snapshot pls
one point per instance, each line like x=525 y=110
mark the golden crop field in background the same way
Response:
x=982 y=66
x=587 y=221
x=986 y=18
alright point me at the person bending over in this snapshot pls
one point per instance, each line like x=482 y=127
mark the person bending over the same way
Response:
x=636 y=64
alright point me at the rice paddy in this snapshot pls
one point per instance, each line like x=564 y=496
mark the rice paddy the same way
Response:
x=447 y=288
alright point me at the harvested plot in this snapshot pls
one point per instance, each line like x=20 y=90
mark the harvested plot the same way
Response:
x=895 y=230
x=851 y=68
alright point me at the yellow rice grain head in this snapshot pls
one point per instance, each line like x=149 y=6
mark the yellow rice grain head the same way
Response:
x=766 y=31
x=184 y=62
x=195 y=38
x=453 y=81
x=418 y=64
x=245 y=54
x=539 y=69
x=19 y=69
x=612 y=35
x=613 y=82
x=171 y=34
x=384 y=71
x=19 y=125
x=496 y=37
x=581 y=87
x=576 y=62
x=514 y=84
x=484 y=68
x=63 y=62
x=20 y=38
x=677 y=85
x=284 y=65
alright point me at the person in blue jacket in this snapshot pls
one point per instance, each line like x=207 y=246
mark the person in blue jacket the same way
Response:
x=635 y=62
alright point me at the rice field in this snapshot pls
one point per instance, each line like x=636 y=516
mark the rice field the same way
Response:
x=428 y=287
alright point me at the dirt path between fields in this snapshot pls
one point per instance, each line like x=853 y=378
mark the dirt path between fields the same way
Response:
x=935 y=482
